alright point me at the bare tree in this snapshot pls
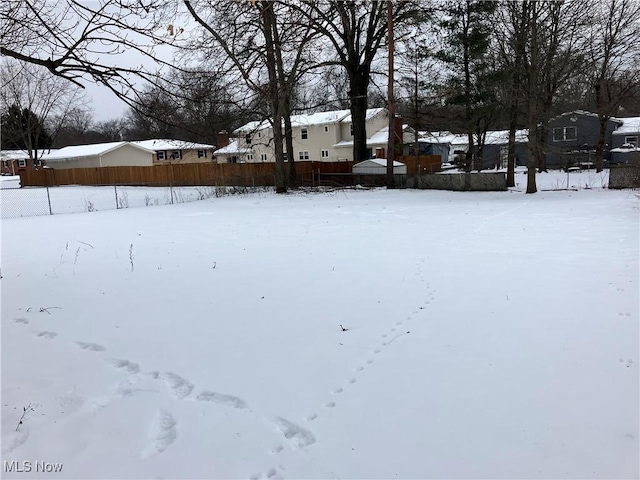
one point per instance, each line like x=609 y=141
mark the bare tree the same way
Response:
x=613 y=57
x=28 y=87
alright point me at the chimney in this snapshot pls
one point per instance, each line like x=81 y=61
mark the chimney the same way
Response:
x=223 y=138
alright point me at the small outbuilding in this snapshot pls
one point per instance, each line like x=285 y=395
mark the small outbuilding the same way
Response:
x=378 y=166
x=111 y=154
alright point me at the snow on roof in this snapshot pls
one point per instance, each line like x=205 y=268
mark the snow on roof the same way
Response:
x=231 y=149
x=629 y=125
x=165 y=144
x=309 y=119
x=379 y=161
x=584 y=113
x=79 y=151
x=22 y=154
x=381 y=137
x=494 y=137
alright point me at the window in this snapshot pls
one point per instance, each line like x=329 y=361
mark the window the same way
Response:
x=250 y=157
x=247 y=139
x=263 y=157
x=162 y=155
x=5 y=164
x=351 y=129
x=324 y=153
x=304 y=133
x=22 y=163
x=284 y=156
x=326 y=128
x=631 y=139
x=233 y=159
x=176 y=154
x=304 y=155
x=259 y=134
x=565 y=134
x=202 y=154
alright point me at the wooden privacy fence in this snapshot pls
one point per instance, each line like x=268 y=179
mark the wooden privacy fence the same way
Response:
x=194 y=174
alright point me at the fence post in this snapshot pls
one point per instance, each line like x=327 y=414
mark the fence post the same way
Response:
x=49 y=200
x=171 y=189
x=115 y=189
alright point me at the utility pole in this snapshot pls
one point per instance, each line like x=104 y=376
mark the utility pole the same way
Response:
x=391 y=102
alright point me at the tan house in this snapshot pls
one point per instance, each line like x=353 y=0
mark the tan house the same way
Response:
x=112 y=154
x=178 y=151
x=318 y=137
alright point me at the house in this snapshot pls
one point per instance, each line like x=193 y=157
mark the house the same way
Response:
x=377 y=166
x=232 y=153
x=319 y=137
x=573 y=136
x=628 y=133
x=495 y=151
x=178 y=151
x=14 y=161
x=112 y=154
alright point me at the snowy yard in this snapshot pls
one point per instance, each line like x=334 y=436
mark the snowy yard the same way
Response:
x=488 y=335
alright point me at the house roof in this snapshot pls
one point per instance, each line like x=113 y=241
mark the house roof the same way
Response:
x=231 y=149
x=629 y=125
x=80 y=151
x=308 y=119
x=494 y=137
x=165 y=144
x=380 y=162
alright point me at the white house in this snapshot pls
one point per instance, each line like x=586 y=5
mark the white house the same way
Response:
x=111 y=154
x=320 y=137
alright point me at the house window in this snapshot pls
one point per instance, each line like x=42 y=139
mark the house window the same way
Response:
x=162 y=155
x=22 y=163
x=247 y=139
x=176 y=155
x=304 y=133
x=304 y=155
x=233 y=159
x=259 y=134
x=631 y=139
x=250 y=157
x=324 y=153
x=351 y=129
x=326 y=128
x=263 y=157
x=284 y=156
x=202 y=154
x=565 y=134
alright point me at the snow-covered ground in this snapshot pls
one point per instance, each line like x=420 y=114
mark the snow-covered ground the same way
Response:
x=488 y=335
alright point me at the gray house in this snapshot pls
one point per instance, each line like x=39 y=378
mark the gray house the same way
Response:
x=573 y=136
x=628 y=133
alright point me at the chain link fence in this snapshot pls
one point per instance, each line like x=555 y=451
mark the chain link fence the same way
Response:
x=35 y=201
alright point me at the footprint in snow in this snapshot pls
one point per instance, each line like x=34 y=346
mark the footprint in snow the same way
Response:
x=222 y=399
x=337 y=390
x=125 y=365
x=162 y=433
x=299 y=436
x=47 y=335
x=178 y=385
x=312 y=417
x=91 y=347
x=330 y=404
x=15 y=439
x=352 y=380
x=21 y=320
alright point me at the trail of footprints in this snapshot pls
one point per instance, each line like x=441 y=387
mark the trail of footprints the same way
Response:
x=387 y=338
x=163 y=430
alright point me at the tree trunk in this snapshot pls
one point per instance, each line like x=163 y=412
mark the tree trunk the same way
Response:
x=601 y=143
x=391 y=139
x=532 y=115
x=359 y=83
x=268 y=18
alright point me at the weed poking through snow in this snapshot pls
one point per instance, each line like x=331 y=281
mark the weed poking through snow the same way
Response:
x=131 y=256
x=25 y=411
